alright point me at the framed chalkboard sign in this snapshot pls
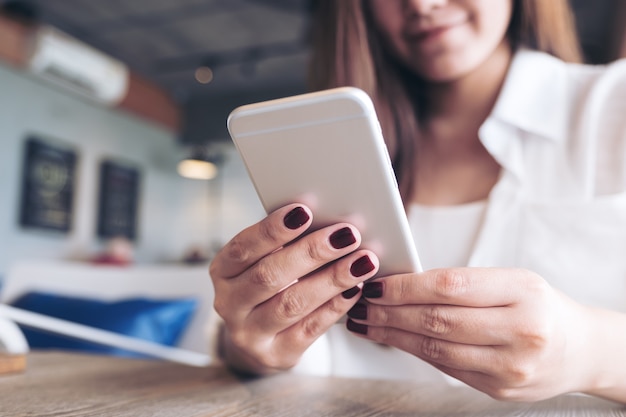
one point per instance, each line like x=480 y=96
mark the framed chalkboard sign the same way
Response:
x=118 y=200
x=48 y=179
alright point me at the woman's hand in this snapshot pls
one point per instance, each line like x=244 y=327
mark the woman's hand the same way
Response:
x=505 y=332
x=278 y=291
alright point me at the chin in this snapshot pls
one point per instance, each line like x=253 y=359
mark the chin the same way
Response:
x=449 y=67
x=444 y=74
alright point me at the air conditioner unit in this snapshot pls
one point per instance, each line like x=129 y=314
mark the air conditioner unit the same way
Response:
x=74 y=65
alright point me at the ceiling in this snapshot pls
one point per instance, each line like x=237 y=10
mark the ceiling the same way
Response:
x=249 y=44
x=257 y=49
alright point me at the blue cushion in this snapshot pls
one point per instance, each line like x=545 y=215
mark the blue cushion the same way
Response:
x=160 y=321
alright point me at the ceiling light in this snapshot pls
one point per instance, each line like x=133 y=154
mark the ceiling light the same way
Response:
x=203 y=163
x=197 y=169
x=204 y=75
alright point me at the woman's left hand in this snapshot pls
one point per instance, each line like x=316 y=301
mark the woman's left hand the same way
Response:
x=505 y=332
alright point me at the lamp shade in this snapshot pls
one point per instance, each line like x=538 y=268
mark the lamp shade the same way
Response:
x=197 y=169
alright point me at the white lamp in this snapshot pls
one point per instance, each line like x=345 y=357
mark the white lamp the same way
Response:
x=201 y=165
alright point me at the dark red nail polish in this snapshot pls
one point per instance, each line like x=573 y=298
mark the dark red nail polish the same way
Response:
x=350 y=293
x=296 y=218
x=342 y=238
x=373 y=289
x=361 y=266
x=358 y=311
x=356 y=327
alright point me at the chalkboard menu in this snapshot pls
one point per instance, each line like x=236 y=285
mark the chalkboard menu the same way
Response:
x=47 y=185
x=119 y=194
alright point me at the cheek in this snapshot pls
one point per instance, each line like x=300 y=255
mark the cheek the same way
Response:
x=491 y=19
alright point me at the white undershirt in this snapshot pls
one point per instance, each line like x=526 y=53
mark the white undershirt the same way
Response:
x=445 y=235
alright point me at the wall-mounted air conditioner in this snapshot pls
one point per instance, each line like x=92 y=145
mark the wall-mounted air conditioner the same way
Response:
x=74 y=65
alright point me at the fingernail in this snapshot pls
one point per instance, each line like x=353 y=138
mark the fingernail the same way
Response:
x=350 y=293
x=296 y=218
x=356 y=327
x=358 y=311
x=342 y=238
x=373 y=289
x=361 y=266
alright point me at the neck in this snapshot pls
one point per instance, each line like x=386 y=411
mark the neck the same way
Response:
x=469 y=100
x=452 y=165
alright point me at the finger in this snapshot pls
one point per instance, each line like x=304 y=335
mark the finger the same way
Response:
x=294 y=340
x=253 y=243
x=476 y=326
x=466 y=357
x=472 y=287
x=497 y=387
x=282 y=268
x=477 y=380
x=301 y=299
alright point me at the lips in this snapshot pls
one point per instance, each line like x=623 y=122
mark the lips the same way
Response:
x=426 y=30
x=424 y=34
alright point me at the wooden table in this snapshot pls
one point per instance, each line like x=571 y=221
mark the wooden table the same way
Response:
x=63 y=384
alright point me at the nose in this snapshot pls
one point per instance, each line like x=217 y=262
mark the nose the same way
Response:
x=423 y=7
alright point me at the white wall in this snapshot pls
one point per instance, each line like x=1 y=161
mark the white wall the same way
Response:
x=174 y=213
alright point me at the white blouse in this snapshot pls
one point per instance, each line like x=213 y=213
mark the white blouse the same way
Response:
x=445 y=235
x=559 y=208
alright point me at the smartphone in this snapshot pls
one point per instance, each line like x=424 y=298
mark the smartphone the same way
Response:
x=326 y=150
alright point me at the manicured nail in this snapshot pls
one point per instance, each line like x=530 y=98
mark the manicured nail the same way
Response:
x=296 y=218
x=342 y=238
x=358 y=311
x=356 y=327
x=350 y=293
x=361 y=266
x=373 y=289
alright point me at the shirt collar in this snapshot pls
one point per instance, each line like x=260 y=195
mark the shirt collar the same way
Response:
x=534 y=95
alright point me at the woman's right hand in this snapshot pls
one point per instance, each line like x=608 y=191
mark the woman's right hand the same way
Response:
x=278 y=291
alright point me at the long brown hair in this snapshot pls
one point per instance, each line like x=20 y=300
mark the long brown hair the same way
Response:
x=348 y=51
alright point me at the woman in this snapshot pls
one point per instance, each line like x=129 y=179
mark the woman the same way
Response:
x=512 y=167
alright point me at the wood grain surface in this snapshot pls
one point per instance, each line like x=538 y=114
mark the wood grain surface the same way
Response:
x=62 y=384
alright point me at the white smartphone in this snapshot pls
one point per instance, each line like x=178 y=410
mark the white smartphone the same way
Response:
x=326 y=150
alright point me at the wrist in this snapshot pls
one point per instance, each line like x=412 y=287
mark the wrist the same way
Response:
x=606 y=344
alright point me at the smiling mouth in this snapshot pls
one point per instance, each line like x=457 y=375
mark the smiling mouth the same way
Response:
x=434 y=32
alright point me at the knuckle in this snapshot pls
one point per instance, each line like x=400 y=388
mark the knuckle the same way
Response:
x=236 y=251
x=336 y=307
x=292 y=305
x=221 y=307
x=437 y=321
x=405 y=289
x=315 y=251
x=534 y=284
x=450 y=283
x=432 y=348
x=520 y=373
x=311 y=329
x=268 y=232
x=380 y=315
x=382 y=335
x=214 y=271
x=262 y=276
x=536 y=336
x=337 y=277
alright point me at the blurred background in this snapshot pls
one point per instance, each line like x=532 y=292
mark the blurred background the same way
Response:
x=140 y=85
